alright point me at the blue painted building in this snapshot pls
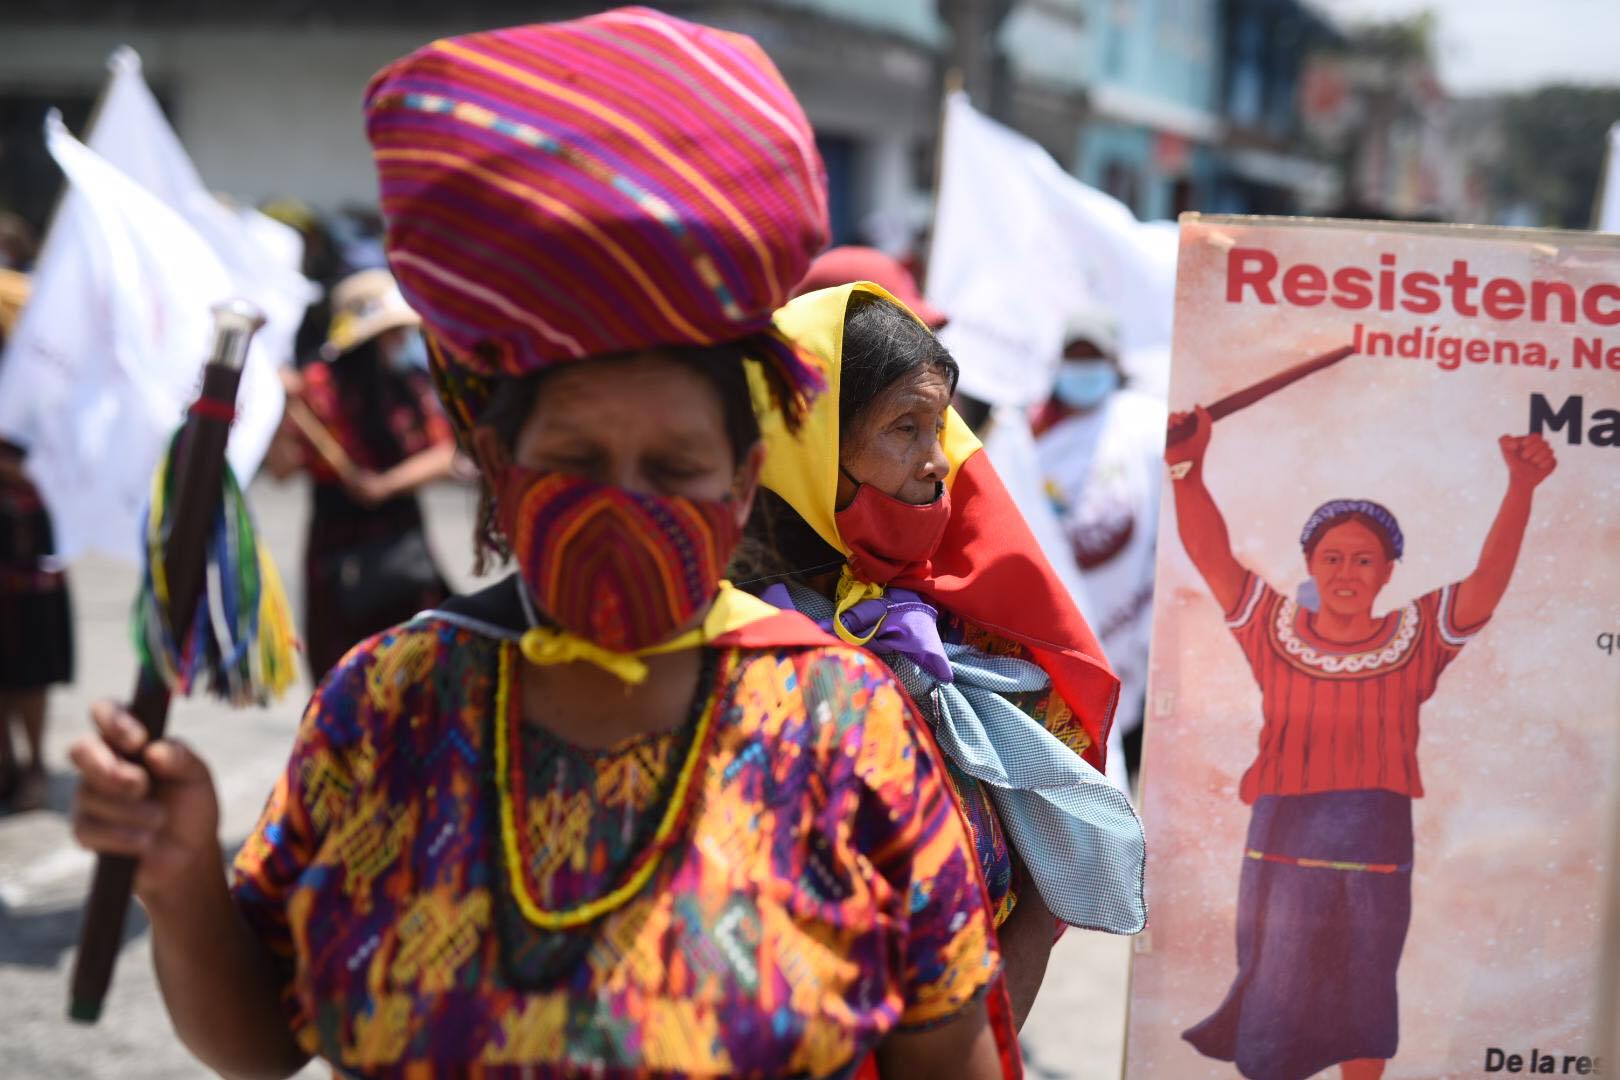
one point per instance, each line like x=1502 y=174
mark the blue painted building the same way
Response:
x=1266 y=44
x=1152 y=130
x=1149 y=71
x=1187 y=104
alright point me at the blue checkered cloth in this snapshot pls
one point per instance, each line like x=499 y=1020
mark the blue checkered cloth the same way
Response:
x=1076 y=833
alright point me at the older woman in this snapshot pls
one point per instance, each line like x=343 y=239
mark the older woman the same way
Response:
x=610 y=817
x=885 y=523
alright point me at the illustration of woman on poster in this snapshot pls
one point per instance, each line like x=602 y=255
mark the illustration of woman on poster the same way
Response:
x=1325 y=894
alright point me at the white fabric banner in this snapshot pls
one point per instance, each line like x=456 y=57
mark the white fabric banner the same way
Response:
x=109 y=349
x=262 y=256
x=1609 y=207
x=1019 y=245
x=106 y=353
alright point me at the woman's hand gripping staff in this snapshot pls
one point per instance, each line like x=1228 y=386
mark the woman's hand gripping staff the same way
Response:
x=217 y=980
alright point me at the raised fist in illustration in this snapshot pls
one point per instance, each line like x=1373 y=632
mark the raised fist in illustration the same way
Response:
x=1529 y=458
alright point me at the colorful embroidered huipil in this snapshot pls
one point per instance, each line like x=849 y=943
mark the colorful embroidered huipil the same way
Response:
x=820 y=894
x=783 y=881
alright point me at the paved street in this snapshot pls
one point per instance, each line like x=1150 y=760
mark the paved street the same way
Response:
x=1076 y=1031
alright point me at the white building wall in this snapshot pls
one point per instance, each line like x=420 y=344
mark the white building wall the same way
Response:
x=276 y=112
x=889 y=193
x=262 y=112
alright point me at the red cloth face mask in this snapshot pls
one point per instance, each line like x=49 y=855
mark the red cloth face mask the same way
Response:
x=886 y=535
x=621 y=569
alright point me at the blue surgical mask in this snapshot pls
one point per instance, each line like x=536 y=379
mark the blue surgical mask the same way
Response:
x=412 y=355
x=1085 y=384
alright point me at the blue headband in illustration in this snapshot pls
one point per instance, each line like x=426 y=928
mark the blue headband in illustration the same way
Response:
x=1335 y=510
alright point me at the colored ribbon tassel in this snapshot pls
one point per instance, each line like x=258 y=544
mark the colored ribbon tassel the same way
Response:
x=242 y=642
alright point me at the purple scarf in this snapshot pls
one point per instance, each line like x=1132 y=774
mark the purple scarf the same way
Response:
x=906 y=624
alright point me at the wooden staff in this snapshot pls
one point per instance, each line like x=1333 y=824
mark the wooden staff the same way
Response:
x=199 y=476
x=324 y=442
x=1242 y=399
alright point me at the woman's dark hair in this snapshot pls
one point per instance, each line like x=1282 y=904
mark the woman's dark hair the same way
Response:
x=370 y=393
x=883 y=343
x=778 y=544
x=512 y=401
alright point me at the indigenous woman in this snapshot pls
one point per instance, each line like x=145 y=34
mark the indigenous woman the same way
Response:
x=888 y=526
x=372 y=434
x=36 y=621
x=611 y=817
x=1326 y=891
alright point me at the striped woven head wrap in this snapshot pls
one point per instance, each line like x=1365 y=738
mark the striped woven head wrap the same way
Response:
x=610 y=184
x=1337 y=510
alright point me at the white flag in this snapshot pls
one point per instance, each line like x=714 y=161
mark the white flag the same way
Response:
x=108 y=351
x=262 y=255
x=1609 y=207
x=1019 y=245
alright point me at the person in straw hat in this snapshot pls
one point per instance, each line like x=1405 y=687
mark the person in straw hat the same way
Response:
x=610 y=817
x=365 y=423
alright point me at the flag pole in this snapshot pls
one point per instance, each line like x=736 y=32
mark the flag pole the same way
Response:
x=321 y=438
x=198 y=476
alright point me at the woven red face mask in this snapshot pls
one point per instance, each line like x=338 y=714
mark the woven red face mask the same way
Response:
x=886 y=536
x=623 y=570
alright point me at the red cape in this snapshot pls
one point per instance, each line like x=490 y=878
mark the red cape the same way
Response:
x=990 y=571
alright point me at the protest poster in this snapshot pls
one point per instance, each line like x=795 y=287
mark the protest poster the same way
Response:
x=1378 y=775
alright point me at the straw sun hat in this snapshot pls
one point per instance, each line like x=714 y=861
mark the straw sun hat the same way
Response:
x=364 y=305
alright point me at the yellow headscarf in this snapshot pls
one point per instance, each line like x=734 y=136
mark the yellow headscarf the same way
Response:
x=988 y=569
x=802 y=466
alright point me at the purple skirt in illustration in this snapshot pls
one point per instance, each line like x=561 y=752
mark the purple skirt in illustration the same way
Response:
x=1323 y=906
